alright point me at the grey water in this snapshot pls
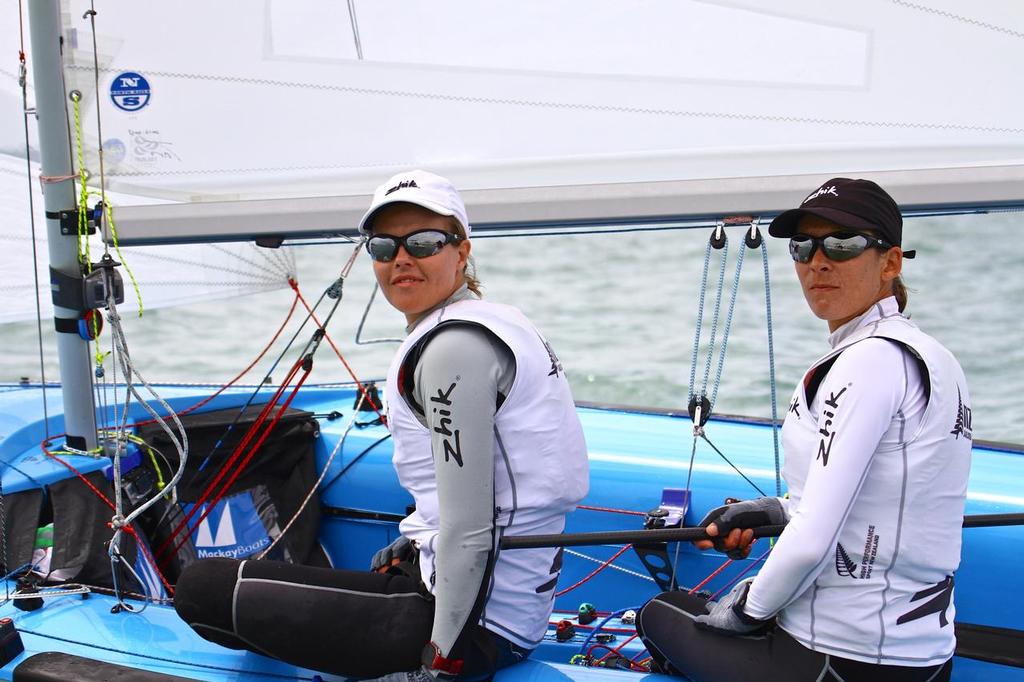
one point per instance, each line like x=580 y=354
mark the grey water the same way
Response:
x=621 y=311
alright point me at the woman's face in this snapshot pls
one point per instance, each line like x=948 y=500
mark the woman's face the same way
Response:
x=415 y=285
x=838 y=291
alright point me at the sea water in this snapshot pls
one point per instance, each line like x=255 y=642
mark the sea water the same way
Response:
x=621 y=311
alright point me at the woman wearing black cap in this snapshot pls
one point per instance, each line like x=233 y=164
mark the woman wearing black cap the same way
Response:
x=877 y=453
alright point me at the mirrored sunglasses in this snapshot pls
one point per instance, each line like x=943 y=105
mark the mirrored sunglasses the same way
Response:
x=419 y=244
x=836 y=247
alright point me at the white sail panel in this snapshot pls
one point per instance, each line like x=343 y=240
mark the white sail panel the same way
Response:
x=166 y=275
x=686 y=98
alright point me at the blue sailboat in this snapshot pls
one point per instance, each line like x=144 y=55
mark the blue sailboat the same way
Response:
x=631 y=151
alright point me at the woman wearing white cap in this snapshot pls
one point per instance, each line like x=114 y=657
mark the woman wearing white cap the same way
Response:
x=486 y=440
x=878 y=446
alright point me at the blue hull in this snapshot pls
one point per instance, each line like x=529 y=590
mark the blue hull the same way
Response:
x=634 y=455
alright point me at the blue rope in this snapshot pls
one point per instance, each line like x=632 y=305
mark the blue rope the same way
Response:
x=700 y=318
x=771 y=367
x=728 y=325
x=597 y=628
x=714 y=317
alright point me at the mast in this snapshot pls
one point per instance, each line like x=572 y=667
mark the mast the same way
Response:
x=65 y=271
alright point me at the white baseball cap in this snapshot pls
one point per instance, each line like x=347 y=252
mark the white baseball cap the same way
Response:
x=418 y=187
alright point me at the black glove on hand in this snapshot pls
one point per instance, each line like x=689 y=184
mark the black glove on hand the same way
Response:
x=764 y=511
x=401 y=549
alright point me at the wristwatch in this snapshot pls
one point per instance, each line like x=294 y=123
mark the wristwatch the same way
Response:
x=433 y=660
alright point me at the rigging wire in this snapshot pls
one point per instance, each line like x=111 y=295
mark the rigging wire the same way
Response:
x=23 y=82
x=305 y=363
x=771 y=370
x=359 y=385
x=26 y=112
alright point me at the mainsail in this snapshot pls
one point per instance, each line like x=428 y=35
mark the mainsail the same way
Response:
x=166 y=275
x=281 y=120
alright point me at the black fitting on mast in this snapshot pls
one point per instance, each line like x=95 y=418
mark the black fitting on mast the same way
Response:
x=69 y=221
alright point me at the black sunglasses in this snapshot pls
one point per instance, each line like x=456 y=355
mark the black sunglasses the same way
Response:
x=838 y=247
x=419 y=244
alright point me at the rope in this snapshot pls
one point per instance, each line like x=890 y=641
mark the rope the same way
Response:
x=320 y=478
x=359 y=384
x=771 y=369
x=728 y=325
x=714 y=315
x=719 y=232
x=106 y=501
x=241 y=374
x=248 y=458
x=708 y=579
x=250 y=434
x=597 y=570
x=354 y=461
x=742 y=573
x=617 y=651
x=627 y=571
x=336 y=288
x=604 y=621
x=3 y=533
x=611 y=510
x=700 y=321
x=23 y=83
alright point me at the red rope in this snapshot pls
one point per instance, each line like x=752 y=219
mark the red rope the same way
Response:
x=362 y=388
x=252 y=452
x=597 y=570
x=193 y=408
x=632 y=665
x=129 y=528
x=742 y=573
x=21 y=33
x=715 y=572
x=618 y=649
x=235 y=455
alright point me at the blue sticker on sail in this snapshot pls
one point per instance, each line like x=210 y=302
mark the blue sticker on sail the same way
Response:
x=130 y=91
x=114 y=150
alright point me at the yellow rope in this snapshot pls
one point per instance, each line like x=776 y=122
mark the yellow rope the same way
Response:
x=83 y=197
x=160 y=483
x=84 y=255
x=117 y=249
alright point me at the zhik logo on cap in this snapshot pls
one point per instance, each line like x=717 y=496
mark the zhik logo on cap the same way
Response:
x=824 y=189
x=402 y=185
x=422 y=188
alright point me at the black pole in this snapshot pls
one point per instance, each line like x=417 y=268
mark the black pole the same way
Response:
x=692 y=533
x=617 y=537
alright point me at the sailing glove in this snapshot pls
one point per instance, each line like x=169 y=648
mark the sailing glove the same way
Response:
x=727 y=616
x=764 y=511
x=401 y=549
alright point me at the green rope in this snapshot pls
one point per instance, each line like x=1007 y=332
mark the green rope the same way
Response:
x=117 y=249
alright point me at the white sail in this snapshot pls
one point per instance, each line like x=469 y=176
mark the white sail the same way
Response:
x=166 y=275
x=282 y=119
